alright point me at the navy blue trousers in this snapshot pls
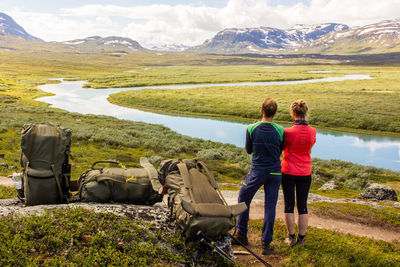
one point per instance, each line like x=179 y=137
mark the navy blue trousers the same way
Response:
x=254 y=180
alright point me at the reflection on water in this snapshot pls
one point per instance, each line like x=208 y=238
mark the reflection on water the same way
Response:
x=363 y=149
x=362 y=137
x=371 y=150
x=376 y=148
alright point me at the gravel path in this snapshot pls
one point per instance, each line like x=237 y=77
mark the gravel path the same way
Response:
x=4 y=180
x=232 y=196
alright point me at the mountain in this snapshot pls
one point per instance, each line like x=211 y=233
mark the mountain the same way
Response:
x=170 y=47
x=266 y=39
x=9 y=27
x=14 y=37
x=328 y=39
x=112 y=44
x=382 y=37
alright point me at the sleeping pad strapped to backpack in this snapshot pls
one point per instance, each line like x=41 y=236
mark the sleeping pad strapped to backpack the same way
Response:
x=195 y=200
x=46 y=173
x=124 y=185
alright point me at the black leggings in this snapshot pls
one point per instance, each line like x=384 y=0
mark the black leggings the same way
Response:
x=302 y=184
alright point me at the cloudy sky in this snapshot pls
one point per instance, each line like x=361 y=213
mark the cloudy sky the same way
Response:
x=183 y=22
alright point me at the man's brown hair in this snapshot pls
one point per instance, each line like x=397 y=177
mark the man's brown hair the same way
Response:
x=269 y=107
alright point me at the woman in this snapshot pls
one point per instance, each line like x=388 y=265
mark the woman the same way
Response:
x=296 y=170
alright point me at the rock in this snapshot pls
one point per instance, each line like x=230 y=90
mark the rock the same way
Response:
x=330 y=185
x=396 y=205
x=3 y=165
x=379 y=192
x=157 y=216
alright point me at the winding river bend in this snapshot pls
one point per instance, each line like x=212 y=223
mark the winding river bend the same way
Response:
x=371 y=150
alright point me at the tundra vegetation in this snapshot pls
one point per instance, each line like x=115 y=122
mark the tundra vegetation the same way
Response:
x=104 y=137
x=350 y=105
x=329 y=248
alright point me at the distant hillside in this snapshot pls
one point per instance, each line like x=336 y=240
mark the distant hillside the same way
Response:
x=113 y=44
x=14 y=37
x=266 y=39
x=9 y=27
x=382 y=37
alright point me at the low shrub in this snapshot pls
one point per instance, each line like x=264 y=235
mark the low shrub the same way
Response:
x=81 y=237
x=7 y=192
x=330 y=248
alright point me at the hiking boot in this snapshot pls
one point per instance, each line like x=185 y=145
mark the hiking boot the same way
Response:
x=267 y=249
x=300 y=241
x=291 y=240
x=242 y=238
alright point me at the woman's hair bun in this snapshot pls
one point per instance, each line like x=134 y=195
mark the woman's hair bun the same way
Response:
x=300 y=108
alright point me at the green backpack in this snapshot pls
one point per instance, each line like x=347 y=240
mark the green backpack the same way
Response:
x=124 y=185
x=45 y=150
x=194 y=199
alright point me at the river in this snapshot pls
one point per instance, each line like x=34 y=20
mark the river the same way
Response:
x=371 y=150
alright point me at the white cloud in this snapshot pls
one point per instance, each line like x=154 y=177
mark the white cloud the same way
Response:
x=51 y=27
x=191 y=25
x=353 y=13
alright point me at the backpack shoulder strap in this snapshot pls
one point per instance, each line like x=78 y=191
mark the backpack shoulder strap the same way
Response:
x=188 y=184
x=60 y=192
x=152 y=173
x=185 y=175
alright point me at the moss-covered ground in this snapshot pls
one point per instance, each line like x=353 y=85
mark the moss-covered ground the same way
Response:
x=330 y=248
x=79 y=237
x=7 y=192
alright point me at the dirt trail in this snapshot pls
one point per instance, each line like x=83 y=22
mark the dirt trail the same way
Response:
x=346 y=227
x=5 y=181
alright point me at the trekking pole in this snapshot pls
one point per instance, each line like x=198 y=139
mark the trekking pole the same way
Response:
x=252 y=253
x=206 y=240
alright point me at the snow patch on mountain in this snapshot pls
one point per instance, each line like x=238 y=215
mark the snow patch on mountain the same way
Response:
x=74 y=42
x=266 y=38
x=112 y=44
x=381 y=37
x=170 y=47
x=385 y=30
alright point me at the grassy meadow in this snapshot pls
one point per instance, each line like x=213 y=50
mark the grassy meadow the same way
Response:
x=354 y=105
x=181 y=74
x=329 y=248
x=107 y=138
x=78 y=237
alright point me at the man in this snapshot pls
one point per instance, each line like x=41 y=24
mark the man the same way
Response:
x=264 y=139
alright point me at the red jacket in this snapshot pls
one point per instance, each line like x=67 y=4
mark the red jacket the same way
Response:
x=298 y=141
